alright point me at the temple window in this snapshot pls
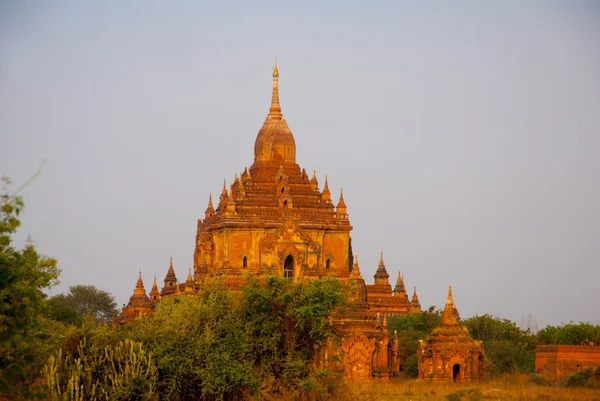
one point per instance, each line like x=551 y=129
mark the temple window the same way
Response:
x=328 y=264
x=288 y=268
x=245 y=262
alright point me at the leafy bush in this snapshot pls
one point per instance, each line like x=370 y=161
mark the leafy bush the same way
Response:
x=508 y=348
x=570 y=334
x=576 y=380
x=223 y=344
x=538 y=379
x=410 y=329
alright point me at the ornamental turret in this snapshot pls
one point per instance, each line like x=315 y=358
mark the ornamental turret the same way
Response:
x=189 y=284
x=326 y=195
x=340 y=209
x=415 y=306
x=400 y=290
x=450 y=314
x=170 y=281
x=381 y=275
x=210 y=210
x=154 y=294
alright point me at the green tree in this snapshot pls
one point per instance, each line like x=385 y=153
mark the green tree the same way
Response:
x=287 y=323
x=507 y=347
x=199 y=345
x=80 y=301
x=24 y=274
x=570 y=334
x=410 y=329
x=260 y=340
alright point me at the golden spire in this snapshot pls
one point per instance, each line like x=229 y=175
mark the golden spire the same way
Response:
x=275 y=70
x=224 y=191
x=326 y=196
x=275 y=109
x=381 y=258
x=139 y=287
x=154 y=294
x=450 y=301
x=450 y=314
x=341 y=202
x=355 y=267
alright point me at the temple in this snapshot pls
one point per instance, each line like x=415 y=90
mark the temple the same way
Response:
x=450 y=353
x=275 y=219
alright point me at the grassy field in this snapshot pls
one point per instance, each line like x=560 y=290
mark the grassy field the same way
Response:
x=514 y=387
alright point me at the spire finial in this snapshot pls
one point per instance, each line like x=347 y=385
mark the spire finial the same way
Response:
x=450 y=301
x=381 y=258
x=140 y=283
x=275 y=70
x=275 y=109
x=355 y=267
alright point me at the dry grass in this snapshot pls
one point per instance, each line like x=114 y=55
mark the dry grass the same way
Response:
x=514 y=387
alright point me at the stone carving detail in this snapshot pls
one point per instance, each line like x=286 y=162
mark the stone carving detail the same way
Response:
x=358 y=351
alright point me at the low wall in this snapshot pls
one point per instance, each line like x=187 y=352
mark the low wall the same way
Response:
x=560 y=361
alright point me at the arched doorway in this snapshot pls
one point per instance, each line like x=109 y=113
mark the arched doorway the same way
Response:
x=288 y=268
x=456 y=372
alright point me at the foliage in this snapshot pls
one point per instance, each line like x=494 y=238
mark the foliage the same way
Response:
x=24 y=274
x=410 y=329
x=120 y=372
x=82 y=300
x=199 y=345
x=570 y=334
x=507 y=348
x=291 y=320
x=538 y=379
x=580 y=379
x=222 y=344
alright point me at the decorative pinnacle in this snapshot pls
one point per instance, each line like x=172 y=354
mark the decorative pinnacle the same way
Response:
x=355 y=267
x=189 y=277
x=450 y=301
x=275 y=70
x=275 y=109
x=341 y=204
x=140 y=283
x=381 y=258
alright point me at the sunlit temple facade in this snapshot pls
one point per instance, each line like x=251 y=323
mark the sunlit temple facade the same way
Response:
x=275 y=219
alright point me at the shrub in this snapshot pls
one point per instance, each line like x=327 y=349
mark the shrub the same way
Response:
x=121 y=372
x=538 y=379
x=576 y=380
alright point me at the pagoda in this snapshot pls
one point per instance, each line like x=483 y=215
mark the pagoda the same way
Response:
x=450 y=353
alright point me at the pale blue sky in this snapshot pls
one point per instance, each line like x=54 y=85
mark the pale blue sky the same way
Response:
x=466 y=135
